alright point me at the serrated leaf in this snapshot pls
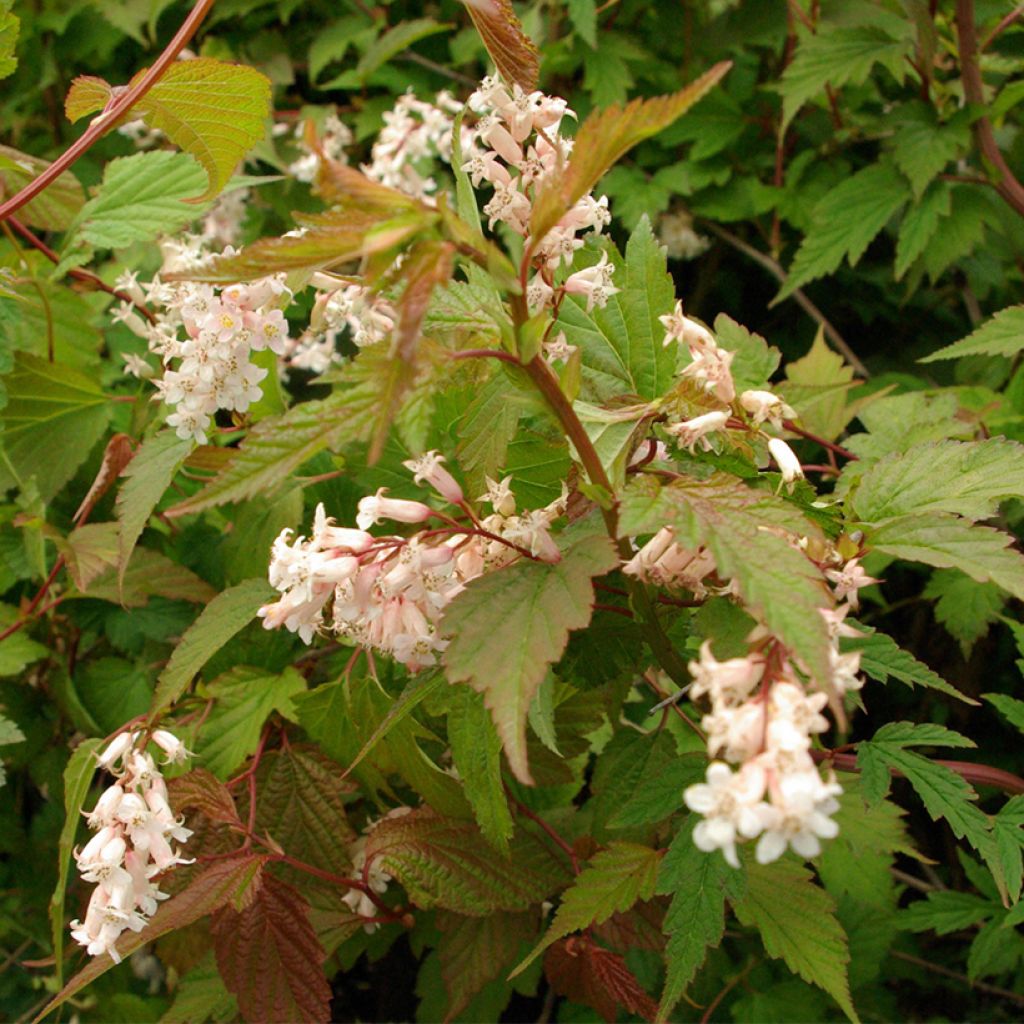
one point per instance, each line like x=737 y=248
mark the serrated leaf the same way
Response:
x=147 y=477
x=845 y=222
x=476 y=950
x=18 y=650
x=920 y=223
x=1009 y=842
x=695 y=921
x=214 y=110
x=10 y=27
x=583 y=15
x=220 y=620
x=393 y=41
x=56 y=206
x=200 y=996
x=607 y=135
x=964 y=607
x=946 y=911
x=983 y=553
x=1002 y=335
x=270 y=958
x=1009 y=707
x=615 y=879
x=922 y=146
x=271 y=452
x=149 y=574
x=447 y=863
x=513 y=52
x=141 y=196
x=476 y=753
x=738 y=526
x=754 y=360
x=228 y=881
x=968 y=478
x=835 y=56
x=797 y=922
x=202 y=791
x=509 y=626
x=243 y=700
x=78 y=773
x=816 y=387
x=882 y=658
x=54 y=417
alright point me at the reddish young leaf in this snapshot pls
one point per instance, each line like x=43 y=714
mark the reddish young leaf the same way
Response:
x=605 y=137
x=234 y=881
x=202 y=791
x=86 y=95
x=270 y=958
x=588 y=974
x=513 y=52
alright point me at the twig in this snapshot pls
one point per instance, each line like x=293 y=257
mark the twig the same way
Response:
x=1001 y=27
x=827 y=445
x=77 y=273
x=99 y=126
x=974 y=92
x=981 y=986
x=729 y=986
x=565 y=847
x=439 y=69
x=780 y=275
x=485 y=353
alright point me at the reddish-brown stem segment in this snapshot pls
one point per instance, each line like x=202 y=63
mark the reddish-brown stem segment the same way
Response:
x=77 y=273
x=828 y=445
x=974 y=92
x=101 y=125
x=982 y=774
x=565 y=847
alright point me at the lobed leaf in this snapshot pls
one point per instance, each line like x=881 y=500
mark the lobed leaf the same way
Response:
x=513 y=52
x=1003 y=335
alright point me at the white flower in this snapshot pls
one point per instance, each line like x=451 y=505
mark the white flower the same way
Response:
x=171 y=746
x=595 y=283
x=499 y=496
x=786 y=460
x=691 y=432
x=727 y=681
x=763 y=405
x=849 y=580
x=729 y=804
x=798 y=816
x=372 y=509
x=428 y=467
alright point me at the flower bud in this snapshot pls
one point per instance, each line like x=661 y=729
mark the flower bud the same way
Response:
x=428 y=467
x=374 y=508
x=785 y=458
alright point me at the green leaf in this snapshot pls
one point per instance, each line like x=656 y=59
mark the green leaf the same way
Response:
x=270 y=453
x=965 y=608
x=944 y=793
x=754 y=360
x=981 y=552
x=18 y=650
x=816 y=387
x=56 y=206
x=508 y=626
x=1003 y=335
x=54 y=417
x=882 y=658
x=605 y=137
x=230 y=881
x=147 y=477
x=78 y=775
x=200 y=996
x=615 y=879
x=922 y=147
x=946 y=911
x=845 y=222
x=446 y=863
x=1009 y=707
x=797 y=922
x=476 y=753
x=968 y=478
x=695 y=921
x=774 y=579
x=1009 y=839
x=394 y=41
x=214 y=110
x=140 y=197
x=583 y=15
x=220 y=620
x=920 y=223
x=243 y=700
x=837 y=55
x=10 y=26
x=149 y=574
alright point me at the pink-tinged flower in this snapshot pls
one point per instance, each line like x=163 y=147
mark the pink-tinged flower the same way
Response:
x=374 y=508
x=763 y=405
x=428 y=468
x=594 y=283
x=173 y=747
x=499 y=495
x=682 y=329
x=689 y=433
x=727 y=681
x=785 y=458
x=116 y=749
x=849 y=580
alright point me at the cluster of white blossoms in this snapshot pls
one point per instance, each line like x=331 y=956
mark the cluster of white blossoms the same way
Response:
x=675 y=232
x=134 y=828
x=387 y=593
x=522 y=151
x=416 y=133
x=204 y=337
x=667 y=564
x=710 y=369
x=335 y=137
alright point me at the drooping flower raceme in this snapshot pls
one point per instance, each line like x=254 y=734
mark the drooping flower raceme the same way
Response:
x=135 y=828
x=387 y=593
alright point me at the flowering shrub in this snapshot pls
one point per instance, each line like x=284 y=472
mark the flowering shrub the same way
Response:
x=496 y=601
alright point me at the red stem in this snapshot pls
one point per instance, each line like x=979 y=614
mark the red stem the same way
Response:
x=101 y=125
x=828 y=445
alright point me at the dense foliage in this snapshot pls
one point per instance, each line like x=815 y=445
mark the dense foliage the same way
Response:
x=511 y=513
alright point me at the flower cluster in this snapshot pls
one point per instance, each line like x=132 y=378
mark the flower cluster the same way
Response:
x=134 y=828
x=667 y=564
x=387 y=593
x=522 y=151
x=764 y=720
x=415 y=133
x=210 y=367
x=334 y=139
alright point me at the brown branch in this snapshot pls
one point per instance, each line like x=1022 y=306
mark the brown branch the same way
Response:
x=99 y=126
x=974 y=92
x=1001 y=27
x=827 y=445
x=981 y=986
x=775 y=269
x=77 y=273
